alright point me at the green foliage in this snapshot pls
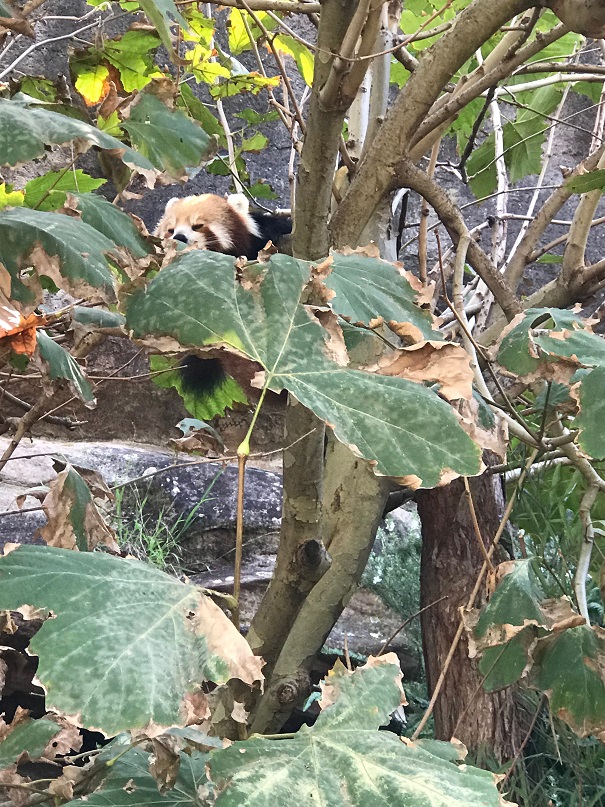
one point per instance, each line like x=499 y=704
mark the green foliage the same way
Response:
x=153 y=538
x=171 y=141
x=109 y=220
x=25 y=131
x=344 y=745
x=131 y=55
x=393 y=570
x=558 y=768
x=151 y=636
x=523 y=140
x=62 y=365
x=81 y=252
x=128 y=782
x=49 y=191
x=30 y=736
x=197 y=301
x=162 y=14
x=544 y=338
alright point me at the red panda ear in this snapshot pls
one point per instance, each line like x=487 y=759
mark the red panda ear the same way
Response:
x=171 y=202
x=239 y=202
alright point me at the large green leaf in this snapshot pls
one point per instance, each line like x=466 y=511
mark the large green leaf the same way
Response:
x=112 y=222
x=404 y=427
x=344 y=761
x=129 y=784
x=523 y=139
x=570 y=672
x=25 y=132
x=516 y=600
x=592 y=411
x=172 y=141
x=97 y=317
x=127 y=642
x=162 y=14
x=62 y=365
x=582 y=346
x=368 y=288
x=130 y=54
x=592 y=181
x=71 y=247
x=32 y=736
x=49 y=191
x=503 y=632
x=515 y=351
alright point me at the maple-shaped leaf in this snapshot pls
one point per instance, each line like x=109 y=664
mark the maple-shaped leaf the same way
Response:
x=128 y=644
x=345 y=760
x=403 y=427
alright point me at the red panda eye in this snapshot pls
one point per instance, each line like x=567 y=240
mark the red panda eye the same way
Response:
x=198 y=227
x=170 y=231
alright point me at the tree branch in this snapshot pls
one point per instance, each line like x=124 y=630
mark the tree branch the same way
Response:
x=375 y=176
x=412 y=177
x=520 y=258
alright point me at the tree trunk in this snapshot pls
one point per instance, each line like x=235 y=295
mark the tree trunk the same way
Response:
x=451 y=560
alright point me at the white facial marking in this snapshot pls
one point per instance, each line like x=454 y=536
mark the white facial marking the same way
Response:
x=241 y=205
x=222 y=235
x=189 y=234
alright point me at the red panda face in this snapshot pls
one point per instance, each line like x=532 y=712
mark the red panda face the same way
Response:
x=209 y=222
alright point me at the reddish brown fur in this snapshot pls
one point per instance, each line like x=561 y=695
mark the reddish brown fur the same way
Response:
x=208 y=222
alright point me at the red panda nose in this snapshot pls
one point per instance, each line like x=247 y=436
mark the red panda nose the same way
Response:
x=181 y=237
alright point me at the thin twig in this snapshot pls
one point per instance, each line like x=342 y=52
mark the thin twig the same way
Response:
x=45 y=42
x=407 y=622
x=58 y=421
x=528 y=734
x=25 y=423
x=476 y=528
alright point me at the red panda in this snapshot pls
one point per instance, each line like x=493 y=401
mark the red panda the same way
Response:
x=221 y=225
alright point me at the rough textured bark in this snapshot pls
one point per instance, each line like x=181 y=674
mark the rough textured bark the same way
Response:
x=451 y=560
x=320 y=146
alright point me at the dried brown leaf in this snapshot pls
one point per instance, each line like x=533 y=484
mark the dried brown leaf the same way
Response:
x=165 y=761
x=59 y=505
x=8 y=777
x=63 y=787
x=444 y=363
x=210 y=622
x=69 y=739
x=196 y=708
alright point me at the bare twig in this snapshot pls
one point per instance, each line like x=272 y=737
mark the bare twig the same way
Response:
x=406 y=622
x=42 y=43
x=25 y=423
x=58 y=421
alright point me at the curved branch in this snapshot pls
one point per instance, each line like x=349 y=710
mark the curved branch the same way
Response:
x=412 y=177
x=520 y=259
x=489 y=75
